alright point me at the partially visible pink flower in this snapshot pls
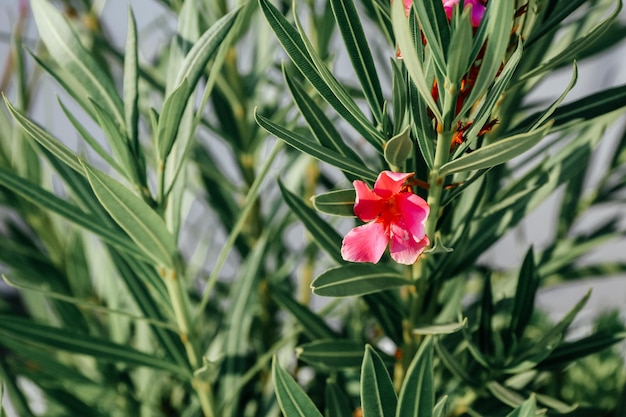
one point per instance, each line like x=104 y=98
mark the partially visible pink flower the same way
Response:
x=396 y=217
x=477 y=12
x=407 y=6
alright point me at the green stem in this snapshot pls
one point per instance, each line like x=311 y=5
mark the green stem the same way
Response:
x=180 y=305
x=245 y=211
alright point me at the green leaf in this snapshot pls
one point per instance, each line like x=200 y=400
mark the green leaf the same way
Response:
x=542 y=348
x=496 y=153
x=378 y=397
x=459 y=51
x=79 y=65
x=45 y=199
x=336 y=203
x=435 y=329
x=388 y=309
x=492 y=98
x=586 y=108
x=398 y=149
x=398 y=96
x=417 y=395
x=95 y=145
x=412 y=62
x=422 y=126
x=322 y=232
x=441 y=408
x=315 y=71
x=27 y=331
x=312 y=325
x=359 y=52
x=53 y=145
x=499 y=17
x=568 y=352
x=524 y=301
x=453 y=365
x=332 y=354
x=292 y=400
x=13 y=391
x=239 y=322
x=205 y=48
x=117 y=140
x=132 y=214
x=574 y=48
x=357 y=279
x=169 y=121
x=320 y=125
x=313 y=149
x=527 y=409
x=551 y=23
x=131 y=82
x=504 y=394
x=337 y=403
x=434 y=24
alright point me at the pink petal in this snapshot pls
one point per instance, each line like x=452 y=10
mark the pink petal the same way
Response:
x=365 y=243
x=367 y=205
x=404 y=249
x=448 y=5
x=389 y=183
x=407 y=6
x=478 y=11
x=413 y=212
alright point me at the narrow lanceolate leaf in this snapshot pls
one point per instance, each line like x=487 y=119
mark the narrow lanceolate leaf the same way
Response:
x=499 y=17
x=586 y=108
x=573 y=49
x=378 y=397
x=337 y=203
x=313 y=326
x=45 y=199
x=318 y=75
x=131 y=82
x=87 y=137
x=441 y=408
x=496 y=153
x=459 y=51
x=527 y=409
x=433 y=329
x=417 y=395
x=313 y=149
x=53 y=145
x=523 y=304
x=337 y=402
x=204 y=49
x=543 y=347
x=568 y=352
x=434 y=23
x=29 y=332
x=332 y=353
x=322 y=232
x=357 y=279
x=170 y=119
x=292 y=400
x=358 y=49
x=132 y=214
x=321 y=126
x=79 y=65
x=410 y=57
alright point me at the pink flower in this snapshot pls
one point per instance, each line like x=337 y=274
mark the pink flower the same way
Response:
x=407 y=6
x=396 y=217
x=477 y=12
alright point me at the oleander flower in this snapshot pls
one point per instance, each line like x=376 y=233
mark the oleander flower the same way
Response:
x=407 y=6
x=476 y=14
x=396 y=217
